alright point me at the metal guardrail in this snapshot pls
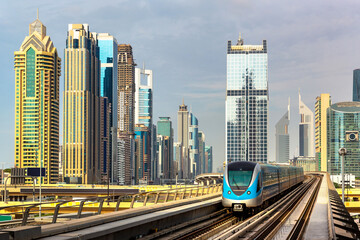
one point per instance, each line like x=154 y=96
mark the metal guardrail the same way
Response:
x=145 y=198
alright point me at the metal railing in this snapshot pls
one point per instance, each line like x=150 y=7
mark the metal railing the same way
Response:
x=129 y=201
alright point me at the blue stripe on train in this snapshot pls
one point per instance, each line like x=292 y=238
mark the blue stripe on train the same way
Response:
x=244 y=196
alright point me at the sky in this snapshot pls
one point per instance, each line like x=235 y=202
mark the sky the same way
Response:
x=312 y=46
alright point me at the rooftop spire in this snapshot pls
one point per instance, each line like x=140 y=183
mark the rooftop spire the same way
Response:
x=37 y=16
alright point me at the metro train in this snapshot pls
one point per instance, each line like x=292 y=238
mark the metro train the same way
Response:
x=247 y=185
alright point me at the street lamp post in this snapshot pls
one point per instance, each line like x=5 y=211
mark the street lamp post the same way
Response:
x=342 y=153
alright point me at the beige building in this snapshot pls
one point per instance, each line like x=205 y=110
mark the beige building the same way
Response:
x=37 y=74
x=322 y=104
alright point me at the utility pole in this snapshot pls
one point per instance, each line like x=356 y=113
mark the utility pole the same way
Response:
x=342 y=153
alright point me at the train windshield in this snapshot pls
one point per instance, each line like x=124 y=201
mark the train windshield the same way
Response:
x=240 y=178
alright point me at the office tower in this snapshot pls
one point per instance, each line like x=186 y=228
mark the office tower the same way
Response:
x=343 y=126
x=306 y=130
x=143 y=97
x=124 y=166
x=356 y=85
x=81 y=137
x=142 y=154
x=37 y=73
x=193 y=145
x=165 y=136
x=247 y=102
x=108 y=92
x=164 y=148
x=282 y=137
x=209 y=158
x=144 y=105
x=202 y=163
x=178 y=159
x=183 y=138
x=322 y=104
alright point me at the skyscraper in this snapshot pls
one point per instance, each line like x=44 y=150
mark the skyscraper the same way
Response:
x=282 y=138
x=247 y=102
x=306 y=130
x=108 y=89
x=143 y=97
x=165 y=136
x=209 y=159
x=37 y=73
x=356 y=85
x=183 y=139
x=124 y=166
x=321 y=106
x=193 y=145
x=142 y=154
x=81 y=106
x=343 y=126
x=202 y=163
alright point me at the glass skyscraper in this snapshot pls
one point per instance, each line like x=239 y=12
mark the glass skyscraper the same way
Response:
x=143 y=97
x=247 y=102
x=356 y=85
x=194 y=145
x=108 y=91
x=343 y=125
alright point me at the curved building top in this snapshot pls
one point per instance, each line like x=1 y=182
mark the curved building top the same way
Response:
x=350 y=107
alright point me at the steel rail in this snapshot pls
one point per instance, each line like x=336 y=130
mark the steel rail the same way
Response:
x=298 y=230
x=208 y=227
x=173 y=232
x=254 y=221
x=276 y=221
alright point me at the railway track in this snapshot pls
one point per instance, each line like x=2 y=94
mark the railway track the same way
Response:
x=199 y=228
x=265 y=224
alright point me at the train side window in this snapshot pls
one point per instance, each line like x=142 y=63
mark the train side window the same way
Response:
x=259 y=182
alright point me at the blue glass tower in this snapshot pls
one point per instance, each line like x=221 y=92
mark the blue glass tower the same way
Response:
x=108 y=50
x=247 y=102
x=194 y=145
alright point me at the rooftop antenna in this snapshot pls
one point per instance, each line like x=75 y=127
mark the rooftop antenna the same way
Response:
x=37 y=16
x=183 y=102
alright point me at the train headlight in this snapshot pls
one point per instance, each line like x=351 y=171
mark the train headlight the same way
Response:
x=229 y=192
x=248 y=192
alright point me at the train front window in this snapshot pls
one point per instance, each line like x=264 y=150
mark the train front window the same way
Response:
x=240 y=178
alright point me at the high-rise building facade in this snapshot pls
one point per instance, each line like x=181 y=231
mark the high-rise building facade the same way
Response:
x=247 y=102
x=81 y=131
x=143 y=97
x=202 y=163
x=356 y=85
x=282 y=138
x=124 y=166
x=178 y=159
x=165 y=142
x=343 y=126
x=108 y=93
x=142 y=154
x=322 y=104
x=193 y=145
x=183 y=139
x=306 y=130
x=37 y=73
x=209 y=158
x=144 y=106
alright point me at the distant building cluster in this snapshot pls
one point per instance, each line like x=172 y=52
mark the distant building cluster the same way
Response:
x=109 y=134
